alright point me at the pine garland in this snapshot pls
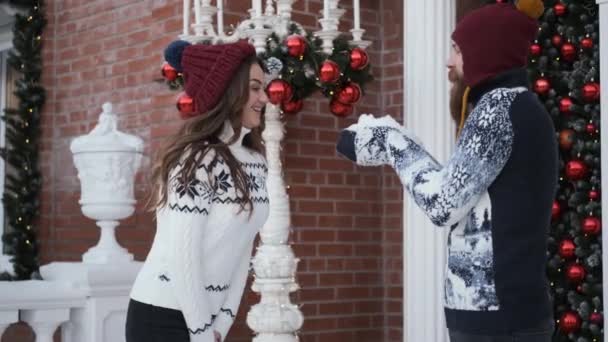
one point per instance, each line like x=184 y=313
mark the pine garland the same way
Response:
x=23 y=179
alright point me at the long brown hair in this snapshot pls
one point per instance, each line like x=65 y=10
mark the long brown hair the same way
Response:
x=199 y=135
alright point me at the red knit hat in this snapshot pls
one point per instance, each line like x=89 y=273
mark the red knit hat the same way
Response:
x=494 y=39
x=208 y=69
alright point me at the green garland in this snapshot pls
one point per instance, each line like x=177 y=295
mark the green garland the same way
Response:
x=23 y=180
x=302 y=72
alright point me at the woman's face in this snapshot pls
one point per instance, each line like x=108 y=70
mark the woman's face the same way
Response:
x=252 y=112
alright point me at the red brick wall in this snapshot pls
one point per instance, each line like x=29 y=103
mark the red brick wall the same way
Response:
x=347 y=221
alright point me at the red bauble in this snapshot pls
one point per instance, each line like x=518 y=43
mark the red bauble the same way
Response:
x=556 y=40
x=594 y=195
x=591 y=92
x=559 y=9
x=575 y=273
x=555 y=210
x=569 y=52
x=292 y=107
x=565 y=104
x=569 y=322
x=587 y=43
x=596 y=318
x=358 y=59
x=567 y=249
x=576 y=170
x=542 y=86
x=566 y=139
x=591 y=225
x=296 y=45
x=168 y=72
x=535 y=50
x=330 y=72
x=185 y=105
x=591 y=129
x=350 y=94
x=340 y=109
x=279 y=91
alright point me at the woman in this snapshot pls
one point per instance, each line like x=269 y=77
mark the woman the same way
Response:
x=210 y=202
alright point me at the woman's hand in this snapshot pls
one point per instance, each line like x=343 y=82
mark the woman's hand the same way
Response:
x=218 y=336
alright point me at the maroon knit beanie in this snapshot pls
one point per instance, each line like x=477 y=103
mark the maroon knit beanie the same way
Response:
x=208 y=70
x=493 y=39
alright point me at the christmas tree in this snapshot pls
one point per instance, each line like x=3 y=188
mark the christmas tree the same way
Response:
x=564 y=71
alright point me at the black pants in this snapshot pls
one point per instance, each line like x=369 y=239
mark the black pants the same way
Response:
x=542 y=333
x=148 y=323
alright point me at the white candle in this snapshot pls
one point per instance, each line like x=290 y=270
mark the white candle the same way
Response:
x=326 y=9
x=220 y=17
x=197 y=12
x=257 y=8
x=357 y=14
x=186 y=16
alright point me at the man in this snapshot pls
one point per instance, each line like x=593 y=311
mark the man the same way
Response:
x=496 y=190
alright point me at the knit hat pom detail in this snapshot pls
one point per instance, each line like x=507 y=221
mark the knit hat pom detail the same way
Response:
x=532 y=8
x=173 y=54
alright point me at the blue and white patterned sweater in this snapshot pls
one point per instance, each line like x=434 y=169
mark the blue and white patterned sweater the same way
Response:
x=200 y=258
x=494 y=194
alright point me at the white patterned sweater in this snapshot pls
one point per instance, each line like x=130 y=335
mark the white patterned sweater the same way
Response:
x=200 y=258
x=494 y=194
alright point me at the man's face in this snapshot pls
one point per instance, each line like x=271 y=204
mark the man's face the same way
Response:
x=456 y=77
x=455 y=64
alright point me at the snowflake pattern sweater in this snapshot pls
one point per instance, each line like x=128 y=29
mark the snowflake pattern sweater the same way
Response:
x=494 y=194
x=200 y=258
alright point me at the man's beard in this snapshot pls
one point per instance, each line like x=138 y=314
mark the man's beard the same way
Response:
x=456 y=94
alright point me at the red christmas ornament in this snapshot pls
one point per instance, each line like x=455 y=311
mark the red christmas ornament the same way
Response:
x=556 y=40
x=296 y=45
x=559 y=9
x=567 y=249
x=594 y=195
x=566 y=139
x=292 y=107
x=350 y=94
x=358 y=59
x=576 y=170
x=168 y=72
x=591 y=129
x=575 y=273
x=591 y=92
x=591 y=225
x=587 y=43
x=569 y=322
x=340 y=109
x=565 y=104
x=185 y=105
x=596 y=318
x=569 y=52
x=279 y=91
x=555 y=210
x=330 y=72
x=535 y=50
x=542 y=86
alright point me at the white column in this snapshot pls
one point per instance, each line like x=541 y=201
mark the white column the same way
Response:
x=603 y=4
x=428 y=26
x=275 y=318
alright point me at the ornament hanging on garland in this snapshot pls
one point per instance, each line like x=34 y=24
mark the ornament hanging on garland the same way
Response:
x=350 y=94
x=568 y=52
x=358 y=59
x=576 y=170
x=591 y=225
x=292 y=106
x=567 y=249
x=591 y=92
x=296 y=45
x=565 y=105
x=566 y=139
x=535 y=50
x=542 y=86
x=587 y=43
x=559 y=9
x=556 y=40
x=329 y=72
x=569 y=322
x=279 y=91
x=575 y=273
x=340 y=109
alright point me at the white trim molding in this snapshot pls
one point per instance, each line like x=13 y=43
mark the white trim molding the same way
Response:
x=603 y=7
x=428 y=26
